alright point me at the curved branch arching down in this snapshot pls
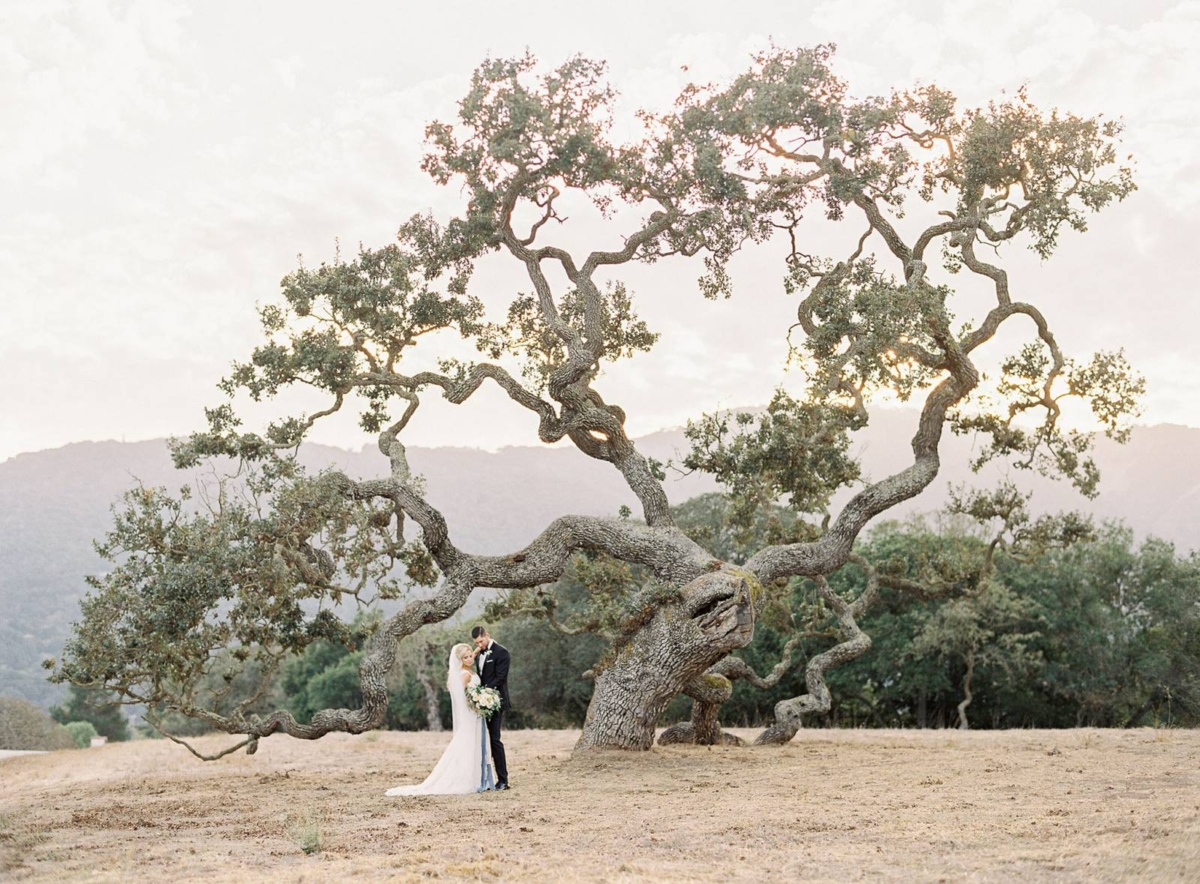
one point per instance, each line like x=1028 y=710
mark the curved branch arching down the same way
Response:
x=718 y=604
x=667 y=553
x=1006 y=506
x=376 y=664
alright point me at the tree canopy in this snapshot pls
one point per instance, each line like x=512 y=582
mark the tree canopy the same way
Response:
x=922 y=189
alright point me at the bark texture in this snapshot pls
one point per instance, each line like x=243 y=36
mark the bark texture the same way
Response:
x=708 y=693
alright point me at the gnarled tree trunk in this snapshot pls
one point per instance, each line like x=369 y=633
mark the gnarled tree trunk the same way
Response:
x=713 y=616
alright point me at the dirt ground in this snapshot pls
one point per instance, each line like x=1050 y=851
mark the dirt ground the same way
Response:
x=831 y=806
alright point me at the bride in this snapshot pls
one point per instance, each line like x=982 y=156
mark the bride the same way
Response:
x=466 y=765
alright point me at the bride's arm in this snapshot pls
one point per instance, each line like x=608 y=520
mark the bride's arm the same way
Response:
x=466 y=677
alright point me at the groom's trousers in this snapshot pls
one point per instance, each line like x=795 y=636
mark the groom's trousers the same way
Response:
x=493 y=727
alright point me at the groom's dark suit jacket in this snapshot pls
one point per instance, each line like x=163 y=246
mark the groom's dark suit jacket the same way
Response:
x=495 y=673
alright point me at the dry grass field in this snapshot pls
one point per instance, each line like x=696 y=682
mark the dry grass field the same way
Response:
x=832 y=806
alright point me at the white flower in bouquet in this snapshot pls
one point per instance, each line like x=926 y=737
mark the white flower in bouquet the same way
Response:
x=484 y=701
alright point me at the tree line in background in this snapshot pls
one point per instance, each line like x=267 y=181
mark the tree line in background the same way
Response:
x=1104 y=632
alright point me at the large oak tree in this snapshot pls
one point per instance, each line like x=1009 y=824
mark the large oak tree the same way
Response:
x=926 y=195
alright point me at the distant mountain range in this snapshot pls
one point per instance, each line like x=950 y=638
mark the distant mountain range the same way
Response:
x=53 y=503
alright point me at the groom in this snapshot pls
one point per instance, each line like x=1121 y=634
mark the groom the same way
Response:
x=492 y=666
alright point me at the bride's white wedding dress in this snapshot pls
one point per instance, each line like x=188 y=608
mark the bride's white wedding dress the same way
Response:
x=466 y=765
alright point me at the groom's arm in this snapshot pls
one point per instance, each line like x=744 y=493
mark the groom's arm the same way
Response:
x=500 y=672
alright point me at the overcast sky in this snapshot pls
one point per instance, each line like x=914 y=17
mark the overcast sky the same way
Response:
x=162 y=164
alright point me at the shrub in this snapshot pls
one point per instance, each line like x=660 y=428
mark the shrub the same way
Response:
x=81 y=733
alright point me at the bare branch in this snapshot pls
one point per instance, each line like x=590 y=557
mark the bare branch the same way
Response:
x=251 y=742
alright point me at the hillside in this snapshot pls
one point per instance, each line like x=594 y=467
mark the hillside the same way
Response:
x=53 y=503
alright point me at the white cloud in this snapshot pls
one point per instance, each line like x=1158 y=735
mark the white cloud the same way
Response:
x=163 y=165
x=79 y=71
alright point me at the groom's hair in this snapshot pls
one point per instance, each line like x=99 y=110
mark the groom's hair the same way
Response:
x=478 y=631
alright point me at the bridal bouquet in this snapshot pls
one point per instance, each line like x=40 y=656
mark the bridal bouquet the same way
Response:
x=484 y=701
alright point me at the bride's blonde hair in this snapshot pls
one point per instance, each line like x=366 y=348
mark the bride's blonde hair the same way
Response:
x=453 y=676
